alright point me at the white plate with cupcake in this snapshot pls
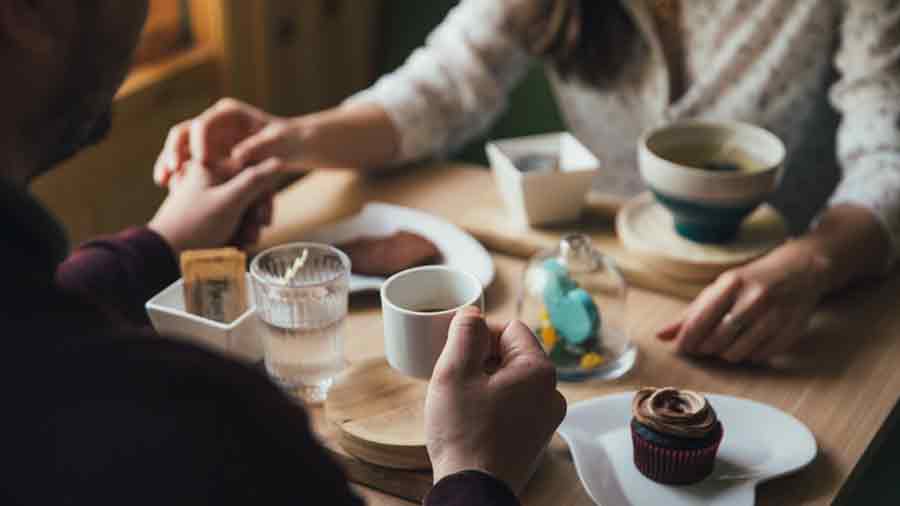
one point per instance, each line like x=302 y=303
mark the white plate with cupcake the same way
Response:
x=676 y=447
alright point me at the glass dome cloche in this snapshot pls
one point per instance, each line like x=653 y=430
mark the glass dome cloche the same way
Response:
x=574 y=298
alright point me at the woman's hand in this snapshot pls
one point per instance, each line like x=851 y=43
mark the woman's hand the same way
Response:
x=757 y=311
x=232 y=135
x=205 y=210
x=228 y=137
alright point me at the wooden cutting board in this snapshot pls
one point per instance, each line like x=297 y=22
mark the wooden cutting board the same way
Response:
x=466 y=196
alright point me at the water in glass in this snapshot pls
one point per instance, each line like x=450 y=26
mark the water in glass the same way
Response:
x=301 y=318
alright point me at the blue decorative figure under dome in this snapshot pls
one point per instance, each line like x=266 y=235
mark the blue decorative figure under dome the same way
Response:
x=574 y=299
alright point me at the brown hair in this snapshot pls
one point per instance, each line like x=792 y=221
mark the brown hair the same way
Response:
x=588 y=40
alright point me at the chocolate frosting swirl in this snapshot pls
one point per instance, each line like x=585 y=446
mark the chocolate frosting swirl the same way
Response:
x=682 y=413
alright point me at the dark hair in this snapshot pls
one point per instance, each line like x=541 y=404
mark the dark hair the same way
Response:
x=588 y=40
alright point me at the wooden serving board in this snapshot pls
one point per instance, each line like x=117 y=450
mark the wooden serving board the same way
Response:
x=379 y=415
x=467 y=196
x=409 y=485
x=648 y=231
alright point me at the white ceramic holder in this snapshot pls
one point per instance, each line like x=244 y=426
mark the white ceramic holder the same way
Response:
x=543 y=197
x=238 y=339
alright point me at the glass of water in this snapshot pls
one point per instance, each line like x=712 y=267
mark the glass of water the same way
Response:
x=300 y=291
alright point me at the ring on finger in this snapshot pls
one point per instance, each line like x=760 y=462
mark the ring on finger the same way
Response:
x=735 y=325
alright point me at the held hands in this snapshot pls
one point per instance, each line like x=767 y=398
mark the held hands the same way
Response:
x=204 y=210
x=492 y=403
x=229 y=136
x=754 y=312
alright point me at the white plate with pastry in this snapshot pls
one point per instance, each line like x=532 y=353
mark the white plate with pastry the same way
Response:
x=760 y=443
x=457 y=248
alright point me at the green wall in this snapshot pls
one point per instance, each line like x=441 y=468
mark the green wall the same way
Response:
x=532 y=108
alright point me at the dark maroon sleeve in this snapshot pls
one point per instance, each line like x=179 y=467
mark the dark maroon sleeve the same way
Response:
x=120 y=272
x=470 y=488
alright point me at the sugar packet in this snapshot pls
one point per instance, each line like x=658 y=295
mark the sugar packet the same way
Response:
x=215 y=286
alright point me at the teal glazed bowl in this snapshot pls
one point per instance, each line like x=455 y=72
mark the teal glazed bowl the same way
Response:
x=710 y=175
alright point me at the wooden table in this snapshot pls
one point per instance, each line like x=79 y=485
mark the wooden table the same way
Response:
x=843 y=381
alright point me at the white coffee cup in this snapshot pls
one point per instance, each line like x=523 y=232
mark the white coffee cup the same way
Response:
x=414 y=333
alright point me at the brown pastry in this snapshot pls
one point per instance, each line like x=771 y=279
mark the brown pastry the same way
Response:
x=676 y=435
x=383 y=256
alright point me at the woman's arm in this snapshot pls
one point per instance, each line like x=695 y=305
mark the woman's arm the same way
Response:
x=848 y=243
x=352 y=135
x=761 y=309
x=868 y=98
x=449 y=90
x=454 y=86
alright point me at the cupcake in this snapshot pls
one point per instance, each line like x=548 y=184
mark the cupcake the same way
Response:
x=676 y=435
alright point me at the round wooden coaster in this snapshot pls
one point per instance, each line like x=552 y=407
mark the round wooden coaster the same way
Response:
x=380 y=415
x=647 y=230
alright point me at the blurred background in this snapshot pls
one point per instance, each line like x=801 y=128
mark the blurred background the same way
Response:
x=286 y=56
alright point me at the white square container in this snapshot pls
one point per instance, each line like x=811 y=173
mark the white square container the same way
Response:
x=238 y=339
x=538 y=198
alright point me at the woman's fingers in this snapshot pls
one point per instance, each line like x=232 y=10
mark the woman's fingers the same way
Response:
x=706 y=312
x=669 y=332
x=750 y=304
x=784 y=339
x=176 y=150
x=214 y=133
x=751 y=339
x=268 y=142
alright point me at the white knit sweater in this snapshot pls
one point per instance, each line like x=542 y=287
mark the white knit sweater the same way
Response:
x=824 y=75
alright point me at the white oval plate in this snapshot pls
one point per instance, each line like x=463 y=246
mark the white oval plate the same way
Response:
x=760 y=443
x=458 y=249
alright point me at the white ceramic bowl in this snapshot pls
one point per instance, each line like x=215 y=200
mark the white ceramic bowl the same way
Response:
x=238 y=339
x=543 y=197
x=709 y=205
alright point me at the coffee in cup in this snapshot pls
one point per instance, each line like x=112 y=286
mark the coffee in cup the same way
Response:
x=417 y=307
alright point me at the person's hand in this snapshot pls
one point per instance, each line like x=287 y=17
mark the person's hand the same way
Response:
x=757 y=311
x=492 y=403
x=205 y=210
x=228 y=137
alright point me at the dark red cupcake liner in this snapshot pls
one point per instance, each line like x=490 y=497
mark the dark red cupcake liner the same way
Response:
x=673 y=466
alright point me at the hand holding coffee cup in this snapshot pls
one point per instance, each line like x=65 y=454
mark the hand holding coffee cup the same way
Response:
x=417 y=306
x=710 y=175
x=489 y=378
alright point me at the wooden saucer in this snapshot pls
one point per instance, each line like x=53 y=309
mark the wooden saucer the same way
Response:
x=380 y=416
x=647 y=230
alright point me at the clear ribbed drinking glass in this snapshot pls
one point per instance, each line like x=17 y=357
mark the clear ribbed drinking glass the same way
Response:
x=301 y=319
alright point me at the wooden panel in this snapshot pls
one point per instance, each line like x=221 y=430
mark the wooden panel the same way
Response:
x=290 y=57
x=317 y=52
x=233 y=30
x=164 y=32
x=109 y=187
